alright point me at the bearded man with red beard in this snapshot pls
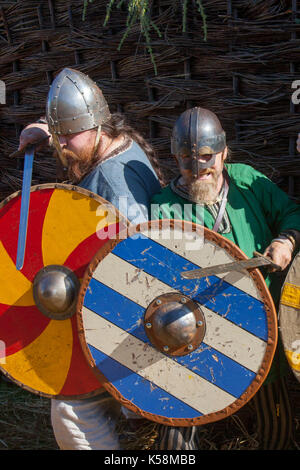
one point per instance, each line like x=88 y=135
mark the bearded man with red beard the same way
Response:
x=95 y=149
x=100 y=152
x=244 y=206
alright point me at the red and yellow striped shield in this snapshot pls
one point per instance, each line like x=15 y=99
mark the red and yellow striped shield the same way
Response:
x=66 y=227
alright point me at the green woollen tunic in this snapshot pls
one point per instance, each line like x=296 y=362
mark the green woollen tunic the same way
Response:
x=258 y=210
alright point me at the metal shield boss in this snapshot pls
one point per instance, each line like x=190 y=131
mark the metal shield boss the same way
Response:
x=176 y=351
x=40 y=347
x=289 y=316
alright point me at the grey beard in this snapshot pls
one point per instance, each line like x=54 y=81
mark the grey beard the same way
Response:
x=204 y=192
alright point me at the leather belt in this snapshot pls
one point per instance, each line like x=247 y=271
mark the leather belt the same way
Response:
x=223 y=202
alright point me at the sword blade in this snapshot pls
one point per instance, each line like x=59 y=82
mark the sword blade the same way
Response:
x=256 y=262
x=25 y=199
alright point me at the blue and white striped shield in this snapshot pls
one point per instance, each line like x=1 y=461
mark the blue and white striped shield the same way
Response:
x=223 y=371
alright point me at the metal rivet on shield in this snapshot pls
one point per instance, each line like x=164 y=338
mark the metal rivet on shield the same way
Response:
x=190 y=347
x=148 y=325
x=183 y=300
x=199 y=323
x=166 y=348
x=158 y=302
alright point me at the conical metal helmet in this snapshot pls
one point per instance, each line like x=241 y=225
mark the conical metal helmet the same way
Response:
x=75 y=104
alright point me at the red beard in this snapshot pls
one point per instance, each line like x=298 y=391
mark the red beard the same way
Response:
x=78 y=165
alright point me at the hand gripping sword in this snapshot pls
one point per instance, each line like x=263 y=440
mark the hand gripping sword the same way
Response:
x=257 y=261
x=25 y=199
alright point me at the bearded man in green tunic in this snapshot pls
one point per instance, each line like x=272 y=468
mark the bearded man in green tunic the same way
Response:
x=243 y=205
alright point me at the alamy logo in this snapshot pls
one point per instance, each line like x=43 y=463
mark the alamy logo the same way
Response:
x=138 y=213
x=296 y=94
x=2 y=93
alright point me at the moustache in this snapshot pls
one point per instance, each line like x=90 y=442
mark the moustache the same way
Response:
x=69 y=155
x=207 y=172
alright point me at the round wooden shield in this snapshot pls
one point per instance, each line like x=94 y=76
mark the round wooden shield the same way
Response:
x=67 y=225
x=289 y=316
x=132 y=296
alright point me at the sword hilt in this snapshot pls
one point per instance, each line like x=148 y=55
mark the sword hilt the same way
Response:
x=269 y=262
x=20 y=153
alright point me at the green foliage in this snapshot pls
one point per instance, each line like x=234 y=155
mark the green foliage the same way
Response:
x=139 y=11
x=85 y=5
x=200 y=10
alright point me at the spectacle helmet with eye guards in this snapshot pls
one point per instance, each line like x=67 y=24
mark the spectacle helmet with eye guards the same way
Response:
x=197 y=132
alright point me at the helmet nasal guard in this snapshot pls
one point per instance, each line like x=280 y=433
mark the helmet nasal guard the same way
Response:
x=197 y=132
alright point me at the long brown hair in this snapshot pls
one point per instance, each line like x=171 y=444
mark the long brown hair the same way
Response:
x=117 y=126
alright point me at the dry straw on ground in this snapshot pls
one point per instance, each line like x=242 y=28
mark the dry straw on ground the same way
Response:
x=25 y=425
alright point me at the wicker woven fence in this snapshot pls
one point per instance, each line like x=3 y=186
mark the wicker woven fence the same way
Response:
x=244 y=72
